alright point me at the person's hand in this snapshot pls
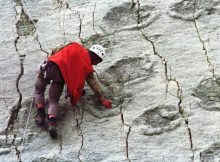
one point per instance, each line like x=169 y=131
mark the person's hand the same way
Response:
x=106 y=103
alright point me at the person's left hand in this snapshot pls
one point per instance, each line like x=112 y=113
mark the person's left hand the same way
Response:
x=106 y=103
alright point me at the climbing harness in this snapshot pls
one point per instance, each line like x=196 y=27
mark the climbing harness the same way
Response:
x=43 y=66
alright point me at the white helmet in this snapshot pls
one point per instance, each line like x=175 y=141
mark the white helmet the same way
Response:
x=98 y=50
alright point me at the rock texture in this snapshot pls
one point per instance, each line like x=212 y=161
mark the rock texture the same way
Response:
x=161 y=72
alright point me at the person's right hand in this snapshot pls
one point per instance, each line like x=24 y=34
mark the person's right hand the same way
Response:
x=106 y=103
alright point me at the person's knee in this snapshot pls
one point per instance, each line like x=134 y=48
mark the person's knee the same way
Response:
x=40 y=85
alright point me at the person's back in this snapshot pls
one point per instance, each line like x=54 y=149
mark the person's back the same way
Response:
x=75 y=65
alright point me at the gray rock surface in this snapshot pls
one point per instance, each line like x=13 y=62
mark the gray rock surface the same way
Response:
x=161 y=73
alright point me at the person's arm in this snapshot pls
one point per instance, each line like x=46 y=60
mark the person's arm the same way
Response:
x=97 y=89
x=95 y=85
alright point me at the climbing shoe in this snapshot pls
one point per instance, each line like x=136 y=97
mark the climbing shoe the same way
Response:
x=52 y=127
x=40 y=117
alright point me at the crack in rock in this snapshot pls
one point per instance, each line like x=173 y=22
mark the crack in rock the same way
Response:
x=25 y=26
x=168 y=78
x=127 y=142
x=129 y=130
x=202 y=42
x=123 y=77
x=41 y=48
x=66 y=6
x=81 y=147
x=93 y=19
x=181 y=112
x=15 y=109
x=80 y=26
x=122 y=115
x=18 y=154
x=79 y=111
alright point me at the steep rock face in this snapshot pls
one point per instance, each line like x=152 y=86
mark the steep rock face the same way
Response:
x=161 y=73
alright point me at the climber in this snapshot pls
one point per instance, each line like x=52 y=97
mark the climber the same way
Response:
x=71 y=65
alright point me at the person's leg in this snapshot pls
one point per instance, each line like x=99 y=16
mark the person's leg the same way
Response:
x=40 y=87
x=55 y=92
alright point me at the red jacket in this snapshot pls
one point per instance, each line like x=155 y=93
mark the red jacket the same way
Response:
x=75 y=65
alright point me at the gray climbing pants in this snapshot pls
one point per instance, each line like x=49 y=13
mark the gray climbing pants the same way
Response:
x=49 y=75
